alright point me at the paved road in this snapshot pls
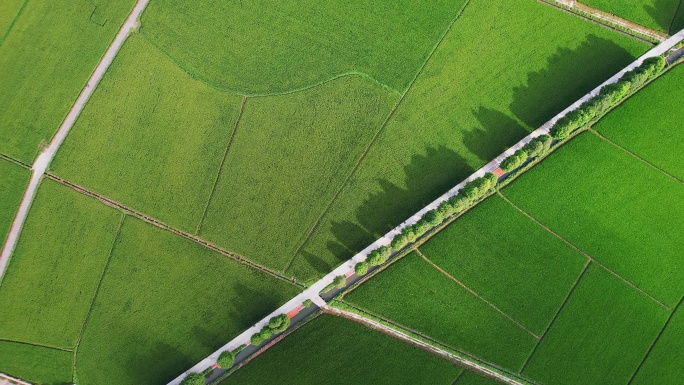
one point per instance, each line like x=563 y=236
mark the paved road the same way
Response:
x=43 y=161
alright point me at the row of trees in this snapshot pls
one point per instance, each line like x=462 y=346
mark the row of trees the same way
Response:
x=608 y=97
x=276 y=325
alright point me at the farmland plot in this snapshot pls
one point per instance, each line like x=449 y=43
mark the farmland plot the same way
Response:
x=330 y=350
x=37 y=364
x=635 y=213
x=165 y=303
x=654 y=14
x=475 y=97
x=45 y=61
x=9 y=10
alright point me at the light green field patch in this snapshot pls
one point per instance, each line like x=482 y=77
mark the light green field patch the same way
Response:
x=509 y=260
x=151 y=137
x=600 y=336
x=664 y=362
x=654 y=14
x=478 y=94
x=35 y=363
x=166 y=303
x=274 y=46
x=334 y=351
x=45 y=61
x=413 y=293
x=13 y=181
x=9 y=10
x=289 y=156
x=617 y=209
x=56 y=267
x=648 y=120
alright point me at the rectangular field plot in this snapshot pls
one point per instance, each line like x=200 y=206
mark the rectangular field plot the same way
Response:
x=37 y=364
x=475 y=97
x=509 y=260
x=56 y=267
x=289 y=156
x=151 y=137
x=279 y=46
x=13 y=182
x=650 y=123
x=333 y=351
x=654 y=14
x=600 y=336
x=664 y=363
x=622 y=212
x=164 y=304
x=414 y=294
x=45 y=61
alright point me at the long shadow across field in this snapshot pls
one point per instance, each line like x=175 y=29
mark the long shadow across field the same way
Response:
x=427 y=176
x=552 y=89
x=494 y=135
x=662 y=13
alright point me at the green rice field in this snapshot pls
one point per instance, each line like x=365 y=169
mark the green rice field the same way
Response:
x=416 y=295
x=13 y=182
x=165 y=303
x=156 y=147
x=56 y=267
x=330 y=350
x=9 y=11
x=45 y=61
x=652 y=116
x=600 y=337
x=654 y=14
x=509 y=260
x=635 y=213
x=37 y=364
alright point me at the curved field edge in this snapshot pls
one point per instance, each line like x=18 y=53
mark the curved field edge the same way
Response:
x=301 y=44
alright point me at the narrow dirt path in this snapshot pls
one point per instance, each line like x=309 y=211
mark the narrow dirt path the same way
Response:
x=43 y=161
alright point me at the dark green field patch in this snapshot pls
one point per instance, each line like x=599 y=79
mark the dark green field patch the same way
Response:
x=334 y=351
x=655 y=14
x=151 y=137
x=274 y=46
x=619 y=210
x=166 y=303
x=664 y=362
x=289 y=156
x=13 y=182
x=41 y=366
x=56 y=267
x=509 y=260
x=45 y=61
x=416 y=295
x=476 y=97
x=600 y=336
x=650 y=124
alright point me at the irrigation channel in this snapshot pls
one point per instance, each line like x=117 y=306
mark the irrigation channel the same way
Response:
x=347 y=268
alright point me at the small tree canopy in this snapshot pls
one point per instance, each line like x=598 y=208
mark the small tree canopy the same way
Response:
x=193 y=379
x=279 y=323
x=434 y=217
x=307 y=303
x=379 y=256
x=514 y=161
x=226 y=359
x=361 y=268
x=340 y=281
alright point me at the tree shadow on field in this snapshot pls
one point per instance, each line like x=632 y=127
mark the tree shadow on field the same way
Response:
x=496 y=133
x=251 y=304
x=160 y=363
x=316 y=262
x=426 y=177
x=662 y=13
x=569 y=74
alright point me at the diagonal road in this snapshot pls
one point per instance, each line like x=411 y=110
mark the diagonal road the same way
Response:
x=43 y=161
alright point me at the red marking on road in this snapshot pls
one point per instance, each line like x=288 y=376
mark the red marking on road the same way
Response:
x=498 y=172
x=349 y=273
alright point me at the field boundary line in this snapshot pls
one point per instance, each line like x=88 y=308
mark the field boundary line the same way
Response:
x=97 y=291
x=471 y=291
x=15 y=161
x=584 y=253
x=429 y=348
x=380 y=130
x=157 y=223
x=36 y=345
x=655 y=341
x=608 y=20
x=598 y=134
x=10 y=27
x=674 y=16
x=458 y=377
x=203 y=79
x=223 y=161
x=553 y=320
